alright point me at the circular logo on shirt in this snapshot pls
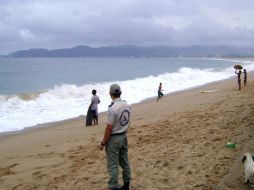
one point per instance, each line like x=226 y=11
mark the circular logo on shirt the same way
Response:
x=124 y=118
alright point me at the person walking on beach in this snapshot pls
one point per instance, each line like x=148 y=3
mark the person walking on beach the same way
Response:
x=244 y=77
x=160 y=94
x=115 y=140
x=95 y=100
x=239 y=78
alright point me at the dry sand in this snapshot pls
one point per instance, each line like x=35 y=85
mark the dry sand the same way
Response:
x=176 y=143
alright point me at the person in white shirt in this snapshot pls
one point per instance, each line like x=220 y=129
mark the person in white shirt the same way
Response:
x=95 y=100
x=115 y=139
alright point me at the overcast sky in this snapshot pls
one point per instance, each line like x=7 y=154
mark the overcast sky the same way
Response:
x=53 y=24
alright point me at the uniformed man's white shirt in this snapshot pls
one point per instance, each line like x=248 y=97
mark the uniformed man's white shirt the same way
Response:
x=119 y=116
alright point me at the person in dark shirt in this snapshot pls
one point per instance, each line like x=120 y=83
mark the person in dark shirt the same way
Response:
x=244 y=77
x=160 y=94
x=239 y=77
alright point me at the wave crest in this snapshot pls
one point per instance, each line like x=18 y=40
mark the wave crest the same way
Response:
x=69 y=100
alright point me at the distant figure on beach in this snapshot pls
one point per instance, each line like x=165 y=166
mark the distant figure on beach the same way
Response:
x=239 y=77
x=160 y=94
x=115 y=139
x=95 y=100
x=244 y=77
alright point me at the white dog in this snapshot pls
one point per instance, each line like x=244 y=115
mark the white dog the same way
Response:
x=248 y=167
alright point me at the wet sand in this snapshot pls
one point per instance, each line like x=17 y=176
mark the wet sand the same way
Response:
x=176 y=143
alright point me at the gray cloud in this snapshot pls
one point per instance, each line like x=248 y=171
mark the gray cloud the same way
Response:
x=63 y=23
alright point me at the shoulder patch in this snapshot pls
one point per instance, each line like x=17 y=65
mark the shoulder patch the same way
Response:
x=109 y=113
x=111 y=104
x=124 y=118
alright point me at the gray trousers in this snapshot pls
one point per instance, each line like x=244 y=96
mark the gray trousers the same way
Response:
x=117 y=154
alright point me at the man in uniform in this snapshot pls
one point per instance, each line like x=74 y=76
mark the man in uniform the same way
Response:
x=115 y=140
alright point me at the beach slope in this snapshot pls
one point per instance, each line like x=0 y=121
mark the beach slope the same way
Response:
x=176 y=143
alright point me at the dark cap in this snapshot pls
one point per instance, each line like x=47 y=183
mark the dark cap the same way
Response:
x=115 y=89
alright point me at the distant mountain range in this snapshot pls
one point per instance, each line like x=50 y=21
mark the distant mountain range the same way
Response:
x=138 y=51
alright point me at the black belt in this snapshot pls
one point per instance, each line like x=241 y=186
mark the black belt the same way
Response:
x=116 y=134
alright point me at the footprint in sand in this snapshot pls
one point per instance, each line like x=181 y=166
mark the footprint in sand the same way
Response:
x=17 y=186
x=7 y=170
x=61 y=154
x=29 y=156
x=39 y=175
x=44 y=155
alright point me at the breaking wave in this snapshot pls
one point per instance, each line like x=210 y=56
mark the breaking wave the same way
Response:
x=69 y=100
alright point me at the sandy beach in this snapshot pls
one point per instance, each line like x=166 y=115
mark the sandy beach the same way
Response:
x=177 y=143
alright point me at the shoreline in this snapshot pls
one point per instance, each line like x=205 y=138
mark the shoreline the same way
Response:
x=176 y=143
x=36 y=122
x=49 y=124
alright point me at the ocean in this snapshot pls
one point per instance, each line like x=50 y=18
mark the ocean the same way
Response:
x=34 y=91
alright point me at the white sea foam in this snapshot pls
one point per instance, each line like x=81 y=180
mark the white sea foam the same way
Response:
x=68 y=101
